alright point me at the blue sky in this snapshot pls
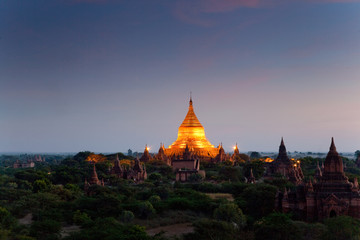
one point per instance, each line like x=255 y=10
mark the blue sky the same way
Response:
x=106 y=75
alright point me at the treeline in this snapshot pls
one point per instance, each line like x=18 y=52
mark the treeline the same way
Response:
x=53 y=196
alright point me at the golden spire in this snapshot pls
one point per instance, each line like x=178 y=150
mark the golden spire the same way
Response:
x=191 y=120
x=192 y=133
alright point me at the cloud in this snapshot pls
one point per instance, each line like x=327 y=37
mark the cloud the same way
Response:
x=216 y=6
x=198 y=12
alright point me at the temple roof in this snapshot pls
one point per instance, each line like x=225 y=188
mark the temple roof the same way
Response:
x=282 y=156
x=192 y=134
x=333 y=162
x=191 y=120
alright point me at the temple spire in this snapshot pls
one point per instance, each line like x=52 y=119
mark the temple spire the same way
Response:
x=94 y=177
x=333 y=162
x=192 y=133
x=282 y=148
x=332 y=146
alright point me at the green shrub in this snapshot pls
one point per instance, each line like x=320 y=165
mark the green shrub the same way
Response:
x=145 y=210
x=154 y=199
x=127 y=217
x=210 y=229
x=277 y=226
x=81 y=218
x=230 y=212
x=342 y=228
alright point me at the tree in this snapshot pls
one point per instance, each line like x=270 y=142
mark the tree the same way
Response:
x=357 y=153
x=257 y=167
x=258 y=200
x=145 y=209
x=215 y=230
x=7 y=221
x=154 y=199
x=277 y=226
x=195 y=177
x=130 y=152
x=82 y=156
x=110 y=229
x=255 y=155
x=127 y=217
x=230 y=173
x=40 y=185
x=342 y=228
x=230 y=212
x=311 y=231
x=155 y=177
x=241 y=158
x=81 y=218
x=46 y=229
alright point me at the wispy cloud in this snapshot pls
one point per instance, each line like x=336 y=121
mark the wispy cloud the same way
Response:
x=215 y=6
x=197 y=12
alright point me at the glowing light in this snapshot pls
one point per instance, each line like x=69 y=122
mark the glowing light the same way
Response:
x=95 y=158
x=192 y=134
x=268 y=160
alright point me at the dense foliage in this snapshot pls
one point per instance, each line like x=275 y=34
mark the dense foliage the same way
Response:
x=46 y=201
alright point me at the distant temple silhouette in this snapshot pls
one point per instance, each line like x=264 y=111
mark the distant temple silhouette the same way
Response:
x=136 y=172
x=284 y=166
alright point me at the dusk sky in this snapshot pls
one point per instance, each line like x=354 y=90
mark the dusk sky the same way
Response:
x=107 y=75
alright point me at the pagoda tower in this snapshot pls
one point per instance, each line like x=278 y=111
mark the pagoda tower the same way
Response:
x=192 y=134
x=330 y=195
x=285 y=166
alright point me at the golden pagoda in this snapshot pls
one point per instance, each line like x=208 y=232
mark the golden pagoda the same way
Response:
x=192 y=134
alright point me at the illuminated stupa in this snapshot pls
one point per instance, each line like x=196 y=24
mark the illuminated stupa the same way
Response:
x=192 y=134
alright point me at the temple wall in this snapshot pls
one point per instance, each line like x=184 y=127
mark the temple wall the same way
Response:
x=183 y=164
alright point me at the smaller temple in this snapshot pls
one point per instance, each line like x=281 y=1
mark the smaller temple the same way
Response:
x=146 y=157
x=330 y=194
x=284 y=166
x=237 y=157
x=27 y=164
x=38 y=158
x=94 y=180
x=161 y=156
x=221 y=156
x=117 y=169
x=236 y=153
x=136 y=172
x=186 y=165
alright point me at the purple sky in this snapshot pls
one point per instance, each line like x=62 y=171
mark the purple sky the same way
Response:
x=106 y=75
